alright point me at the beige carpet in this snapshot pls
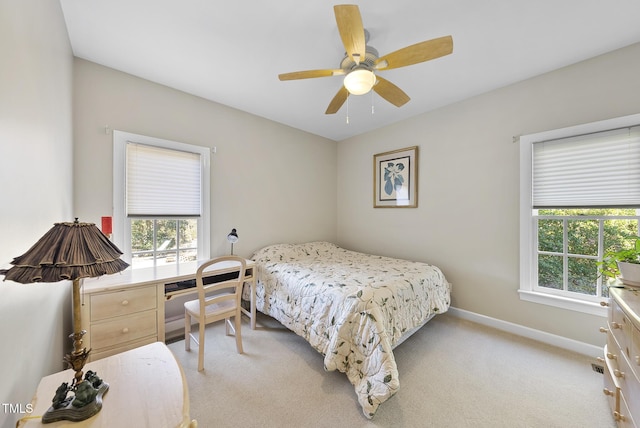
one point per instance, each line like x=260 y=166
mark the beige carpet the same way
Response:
x=453 y=373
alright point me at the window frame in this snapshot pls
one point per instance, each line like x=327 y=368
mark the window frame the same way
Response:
x=529 y=289
x=122 y=223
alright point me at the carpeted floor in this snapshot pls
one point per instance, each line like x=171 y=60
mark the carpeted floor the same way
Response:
x=453 y=373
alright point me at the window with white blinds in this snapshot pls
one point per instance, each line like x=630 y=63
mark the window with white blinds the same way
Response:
x=579 y=197
x=600 y=169
x=162 y=182
x=161 y=200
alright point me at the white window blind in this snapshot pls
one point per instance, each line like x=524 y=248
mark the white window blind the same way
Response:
x=595 y=170
x=162 y=182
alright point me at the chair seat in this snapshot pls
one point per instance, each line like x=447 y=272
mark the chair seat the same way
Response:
x=193 y=306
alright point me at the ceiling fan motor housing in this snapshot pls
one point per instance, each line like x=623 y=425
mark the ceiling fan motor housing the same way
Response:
x=371 y=55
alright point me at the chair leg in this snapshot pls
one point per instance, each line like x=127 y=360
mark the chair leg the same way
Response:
x=238 y=322
x=187 y=331
x=201 y=326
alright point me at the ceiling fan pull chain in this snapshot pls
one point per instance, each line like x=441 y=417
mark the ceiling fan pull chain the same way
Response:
x=372 y=107
x=347 y=110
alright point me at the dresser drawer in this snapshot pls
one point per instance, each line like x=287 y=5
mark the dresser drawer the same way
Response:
x=122 y=302
x=122 y=330
x=618 y=370
x=634 y=355
x=624 y=376
x=629 y=387
x=623 y=417
x=611 y=390
x=620 y=326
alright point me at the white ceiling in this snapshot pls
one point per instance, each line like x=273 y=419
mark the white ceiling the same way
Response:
x=231 y=52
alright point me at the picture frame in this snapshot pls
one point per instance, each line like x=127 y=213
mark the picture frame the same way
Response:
x=395 y=178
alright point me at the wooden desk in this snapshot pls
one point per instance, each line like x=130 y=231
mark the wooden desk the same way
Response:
x=126 y=310
x=147 y=388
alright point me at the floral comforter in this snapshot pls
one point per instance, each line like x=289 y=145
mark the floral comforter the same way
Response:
x=351 y=307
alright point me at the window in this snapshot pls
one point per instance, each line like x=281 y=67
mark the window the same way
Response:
x=156 y=241
x=580 y=197
x=161 y=200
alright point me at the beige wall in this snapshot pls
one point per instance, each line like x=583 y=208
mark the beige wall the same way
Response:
x=467 y=219
x=271 y=182
x=35 y=189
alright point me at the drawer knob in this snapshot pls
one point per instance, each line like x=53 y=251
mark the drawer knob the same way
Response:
x=637 y=358
x=125 y=302
x=600 y=359
x=619 y=416
x=618 y=373
x=603 y=330
x=604 y=303
x=607 y=392
x=612 y=356
x=615 y=325
x=125 y=330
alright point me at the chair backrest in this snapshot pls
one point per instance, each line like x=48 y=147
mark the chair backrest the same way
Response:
x=229 y=277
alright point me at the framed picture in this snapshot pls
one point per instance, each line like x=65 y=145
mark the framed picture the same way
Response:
x=395 y=179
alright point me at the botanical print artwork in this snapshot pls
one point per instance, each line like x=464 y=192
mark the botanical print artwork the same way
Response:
x=395 y=179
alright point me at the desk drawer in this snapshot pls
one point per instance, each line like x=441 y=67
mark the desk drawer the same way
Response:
x=125 y=329
x=122 y=302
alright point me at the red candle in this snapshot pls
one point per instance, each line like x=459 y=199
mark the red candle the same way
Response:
x=107 y=225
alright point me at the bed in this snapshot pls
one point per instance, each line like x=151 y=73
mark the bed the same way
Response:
x=353 y=308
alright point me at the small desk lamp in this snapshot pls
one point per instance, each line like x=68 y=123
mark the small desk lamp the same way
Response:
x=71 y=251
x=233 y=238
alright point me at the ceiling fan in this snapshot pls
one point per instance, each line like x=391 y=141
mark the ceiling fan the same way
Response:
x=361 y=62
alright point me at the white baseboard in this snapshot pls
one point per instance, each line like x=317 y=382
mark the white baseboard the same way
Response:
x=174 y=327
x=530 y=333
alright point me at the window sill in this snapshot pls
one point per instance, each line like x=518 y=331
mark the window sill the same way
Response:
x=564 y=302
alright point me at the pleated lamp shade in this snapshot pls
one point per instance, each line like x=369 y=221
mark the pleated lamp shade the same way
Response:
x=68 y=251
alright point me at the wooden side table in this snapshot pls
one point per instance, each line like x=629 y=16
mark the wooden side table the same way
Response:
x=147 y=388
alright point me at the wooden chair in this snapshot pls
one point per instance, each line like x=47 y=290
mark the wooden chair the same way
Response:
x=216 y=301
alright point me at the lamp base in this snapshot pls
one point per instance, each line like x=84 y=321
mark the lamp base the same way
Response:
x=63 y=408
x=87 y=400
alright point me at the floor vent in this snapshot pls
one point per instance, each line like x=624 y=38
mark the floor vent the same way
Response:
x=597 y=368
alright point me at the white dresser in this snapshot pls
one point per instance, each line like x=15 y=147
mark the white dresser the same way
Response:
x=622 y=356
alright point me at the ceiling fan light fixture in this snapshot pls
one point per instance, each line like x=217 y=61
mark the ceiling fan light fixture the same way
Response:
x=359 y=81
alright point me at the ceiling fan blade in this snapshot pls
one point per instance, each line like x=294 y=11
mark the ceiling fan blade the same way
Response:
x=337 y=101
x=390 y=92
x=309 y=74
x=414 y=54
x=351 y=31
